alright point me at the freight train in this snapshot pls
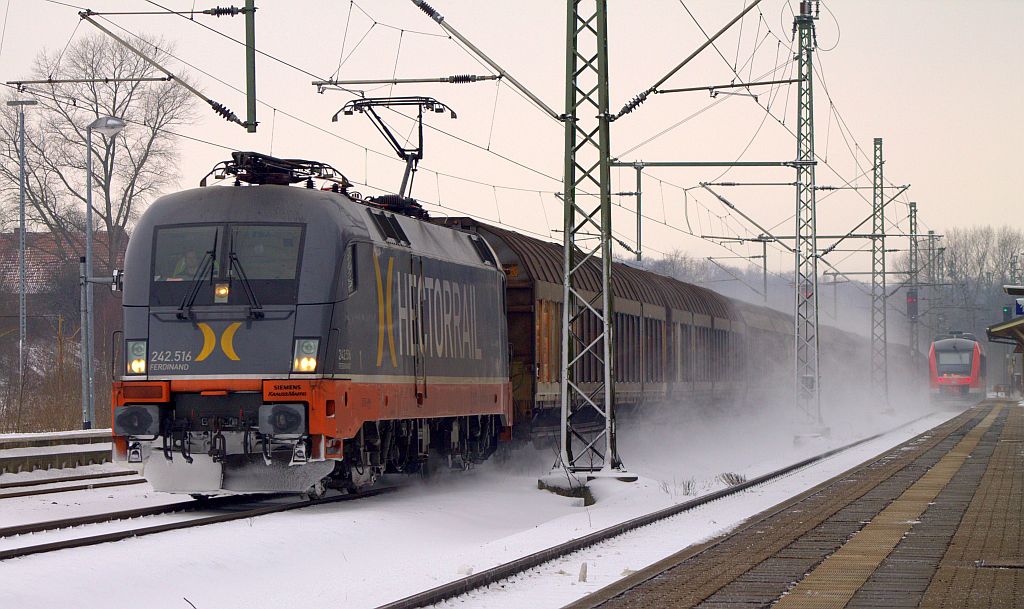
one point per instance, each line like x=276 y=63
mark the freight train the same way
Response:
x=283 y=338
x=957 y=367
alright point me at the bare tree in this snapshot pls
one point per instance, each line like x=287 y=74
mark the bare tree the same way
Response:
x=128 y=170
x=679 y=265
x=977 y=263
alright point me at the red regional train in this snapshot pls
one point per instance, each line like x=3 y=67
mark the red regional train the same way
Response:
x=956 y=366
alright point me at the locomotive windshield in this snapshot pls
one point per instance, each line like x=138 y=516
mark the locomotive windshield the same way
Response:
x=953 y=362
x=266 y=256
x=268 y=252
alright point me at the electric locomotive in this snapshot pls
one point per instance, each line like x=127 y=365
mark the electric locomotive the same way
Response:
x=281 y=338
x=956 y=365
x=287 y=339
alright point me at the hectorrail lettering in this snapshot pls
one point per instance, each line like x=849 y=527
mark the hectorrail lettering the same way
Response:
x=437 y=317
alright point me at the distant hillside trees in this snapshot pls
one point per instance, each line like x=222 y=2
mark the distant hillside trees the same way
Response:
x=978 y=263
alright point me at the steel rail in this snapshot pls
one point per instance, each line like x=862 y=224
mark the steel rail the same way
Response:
x=75 y=487
x=54 y=480
x=155 y=510
x=519 y=565
x=187 y=524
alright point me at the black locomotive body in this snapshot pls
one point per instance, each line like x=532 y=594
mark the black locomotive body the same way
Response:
x=277 y=338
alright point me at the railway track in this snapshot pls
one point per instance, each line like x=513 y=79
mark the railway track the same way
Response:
x=33 y=451
x=210 y=511
x=514 y=567
x=42 y=486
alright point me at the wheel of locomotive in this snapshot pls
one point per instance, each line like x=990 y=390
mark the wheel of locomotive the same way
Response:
x=424 y=469
x=403 y=460
x=317 y=491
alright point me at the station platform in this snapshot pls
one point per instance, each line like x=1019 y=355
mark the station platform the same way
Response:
x=934 y=522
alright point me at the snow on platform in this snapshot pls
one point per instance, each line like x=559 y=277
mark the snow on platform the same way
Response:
x=33 y=451
x=74 y=433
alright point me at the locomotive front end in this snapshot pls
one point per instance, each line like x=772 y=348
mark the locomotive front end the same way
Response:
x=227 y=320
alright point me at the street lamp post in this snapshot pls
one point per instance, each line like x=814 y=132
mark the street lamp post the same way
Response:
x=22 y=288
x=108 y=126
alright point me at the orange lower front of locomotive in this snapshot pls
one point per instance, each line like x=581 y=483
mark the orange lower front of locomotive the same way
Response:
x=335 y=410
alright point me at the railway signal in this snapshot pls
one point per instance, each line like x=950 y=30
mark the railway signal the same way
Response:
x=912 y=303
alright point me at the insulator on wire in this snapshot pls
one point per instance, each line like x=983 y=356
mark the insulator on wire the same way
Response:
x=633 y=103
x=225 y=112
x=463 y=78
x=429 y=10
x=223 y=11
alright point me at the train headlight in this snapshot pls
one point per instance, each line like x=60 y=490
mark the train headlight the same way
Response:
x=220 y=293
x=304 y=359
x=137 y=420
x=282 y=419
x=135 y=362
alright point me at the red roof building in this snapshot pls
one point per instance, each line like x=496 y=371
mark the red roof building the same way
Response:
x=47 y=258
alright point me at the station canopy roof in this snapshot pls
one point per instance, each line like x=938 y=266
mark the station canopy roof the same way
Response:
x=1008 y=332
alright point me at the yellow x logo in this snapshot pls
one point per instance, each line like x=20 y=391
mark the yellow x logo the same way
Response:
x=227 y=344
x=385 y=322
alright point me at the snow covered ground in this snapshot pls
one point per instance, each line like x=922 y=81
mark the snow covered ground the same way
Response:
x=54 y=506
x=40 y=475
x=368 y=552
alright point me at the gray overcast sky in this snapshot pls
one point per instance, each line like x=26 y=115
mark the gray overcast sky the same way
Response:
x=940 y=80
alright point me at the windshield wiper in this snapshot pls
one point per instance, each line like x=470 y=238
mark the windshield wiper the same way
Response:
x=255 y=310
x=185 y=310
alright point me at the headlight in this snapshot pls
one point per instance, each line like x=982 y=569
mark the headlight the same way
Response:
x=135 y=361
x=304 y=359
x=282 y=419
x=137 y=420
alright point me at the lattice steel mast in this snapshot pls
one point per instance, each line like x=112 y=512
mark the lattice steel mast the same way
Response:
x=879 y=346
x=912 y=293
x=933 y=297
x=808 y=391
x=587 y=438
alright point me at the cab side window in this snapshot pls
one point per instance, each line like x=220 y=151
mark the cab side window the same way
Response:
x=351 y=269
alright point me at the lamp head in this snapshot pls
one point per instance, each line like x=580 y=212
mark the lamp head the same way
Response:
x=107 y=125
